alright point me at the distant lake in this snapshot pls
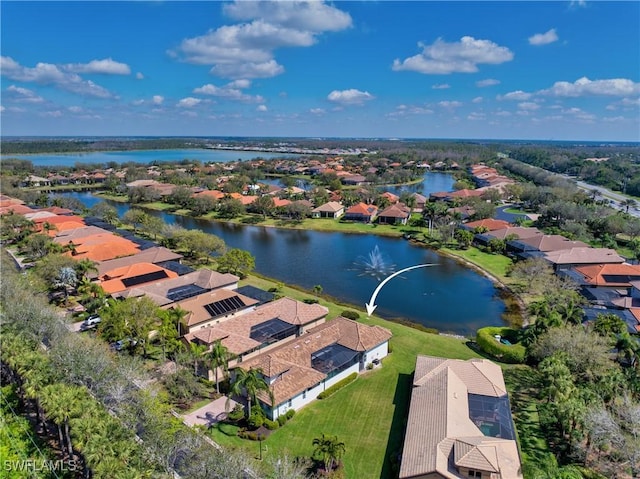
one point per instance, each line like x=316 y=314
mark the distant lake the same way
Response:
x=144 y=156
x=448 y=297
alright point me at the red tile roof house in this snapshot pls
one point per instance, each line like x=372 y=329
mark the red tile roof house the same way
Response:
x=361 y=212
x=489 y=224
x=301 y=369
x=612 y=276
x=127 y=277
x=167 y=291
x=156 y=255
x=397 y=214
x=332 y=209
x=102 y=247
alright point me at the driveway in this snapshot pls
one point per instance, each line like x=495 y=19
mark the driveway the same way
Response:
x=211 y=413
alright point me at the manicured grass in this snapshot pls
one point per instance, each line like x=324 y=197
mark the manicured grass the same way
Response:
x=495 y=264
x=159 y=206
x=369 y=414
x=515 y=211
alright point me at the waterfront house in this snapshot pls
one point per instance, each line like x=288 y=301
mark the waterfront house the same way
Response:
x=299 y=370
x=534 y=246
x=459 y=423
x=509 y=232
x=489 y=224
x=332 y=209
x=101 y=247
x=396 y=214
x=156 y=255
x=121 y=279
x=361 y=212
x=353 y=180
x=568 y=258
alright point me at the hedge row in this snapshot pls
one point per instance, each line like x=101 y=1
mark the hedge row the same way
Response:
x=339 y=385
x=513 y=354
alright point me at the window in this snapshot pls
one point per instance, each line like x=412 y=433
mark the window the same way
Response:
x=304 y=394
x=289 y=403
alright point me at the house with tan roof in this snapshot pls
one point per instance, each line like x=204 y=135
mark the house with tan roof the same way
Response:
x=509 y=232
x=301 y=369
x=261 y=329
x=396 y=214
x=459 y=423
x=332 y=209
x=530 y=247
x=167 y=291
x=361 y=212
x=213 y=307
x=125 y=277
x=582 y=256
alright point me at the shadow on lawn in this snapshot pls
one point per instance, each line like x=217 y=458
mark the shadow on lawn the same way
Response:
x=393 y=453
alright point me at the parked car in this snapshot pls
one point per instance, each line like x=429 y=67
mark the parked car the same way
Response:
x=123 y=343
x=91 y=322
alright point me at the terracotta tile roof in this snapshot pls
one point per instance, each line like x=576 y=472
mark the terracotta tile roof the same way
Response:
x=158 y=291
x=17 y=209
x=215 y=194
x=101 y=247
x=390 y=196
x=248 y=199
x=157 y=254
x=196 y=305
x=294 y=358
x=58 y=211
x=115 y=280
x=362 y=209
x=64 y=226
x=81 y=232
x=616 y=275
x=490 y=223
x=440 y=435
x=466 y=193
x=8 y=201
x=584 y=256
x=397 y=210
x=56 y=219
x=280 y=202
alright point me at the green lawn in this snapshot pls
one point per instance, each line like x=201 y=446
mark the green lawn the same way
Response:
x=369 y=414
x=495 y=264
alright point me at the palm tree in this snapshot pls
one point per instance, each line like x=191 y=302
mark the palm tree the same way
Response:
x=432 y=211
x=251 y=382
x=329 y=450
x=66 y=280
x=317 y=290
x=61 y=403
x=84 y=266
x=219 y=357
x=628 y=203
x=196 y=351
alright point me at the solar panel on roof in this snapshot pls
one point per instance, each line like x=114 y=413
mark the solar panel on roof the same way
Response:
x=183 y=292
x=144 y=278
x=272 y=331
x=224 y=306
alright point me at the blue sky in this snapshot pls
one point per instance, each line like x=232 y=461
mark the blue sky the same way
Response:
x=500 y=70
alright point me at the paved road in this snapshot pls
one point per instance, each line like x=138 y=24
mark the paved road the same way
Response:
x=615 y=198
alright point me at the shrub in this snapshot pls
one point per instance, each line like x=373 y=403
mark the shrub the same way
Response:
x=513 y=354
x=290 y=413
x=350 y=315
x=282 y=420
x=256 y=419
x=271 y=425
x=337 y=386
x=310 y=301
x=236 y=414
x=251 y=435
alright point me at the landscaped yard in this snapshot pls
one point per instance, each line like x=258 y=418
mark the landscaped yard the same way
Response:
x=495 y=264
x=367 y=415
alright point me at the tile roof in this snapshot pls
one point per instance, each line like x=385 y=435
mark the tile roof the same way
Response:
x=101 y=247
x=519 y=231
x=584 y=256
x=551 y=243
x=440 y=435
x=156 y=254
x=115 y=280
x=397 y=210
x=294 y=358
x=16 y=208
x=158 y=291
x=196 y=305
x=81 y=232
x=330 y=207
x=610 y=274
x=362 y=209
x=490 y=223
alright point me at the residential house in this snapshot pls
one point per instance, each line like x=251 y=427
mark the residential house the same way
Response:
x=332 y=209
x=156 y=255
x=101 y=247
x=488 y=224
x=391 y=197
x=420 y=201
x=353 y=180
x=167 y=291
x=534 y=246
x=301 y=369
x=35 y=181
x=361 y=212
x=121 y=279
x=568 y=258
x=509 y=232
x=396 y=214
x=459 y=423
x=607 y=276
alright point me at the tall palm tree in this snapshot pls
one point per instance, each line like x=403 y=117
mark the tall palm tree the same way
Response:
x=85 y=266
x=219 y=357
x=61 y=403
x=250 y=382
x=329 y=450
x=196 y=351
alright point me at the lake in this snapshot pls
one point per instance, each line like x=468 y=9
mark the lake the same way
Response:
x=448 y=297
x=144 y=156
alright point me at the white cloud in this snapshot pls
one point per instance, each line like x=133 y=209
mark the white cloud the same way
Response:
x=261 y=108
x=75 y=109
x=350 y=97
x=579 y=114
x=503 y=113
x=317 y=111
x=442 y=58
x=247 y=50
x=23 y=95
x=528 y=105
x=586 y=87
x=441 y=86
x=157 y=99
x=2 y=108
x=517 y=95
x=230 y=91
x=487 y=82
x=404 y=110
x=139 y=76
x=138 y=102
x=544 y=38
x=578 y=3
x=106 y=66
x=613 y=119
x=312 y=16
x=52 y=114
x=49 y=74
x=450 y=104
x=477 y=99
x=475 y=116
x=188 y=102
x=631 y=101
